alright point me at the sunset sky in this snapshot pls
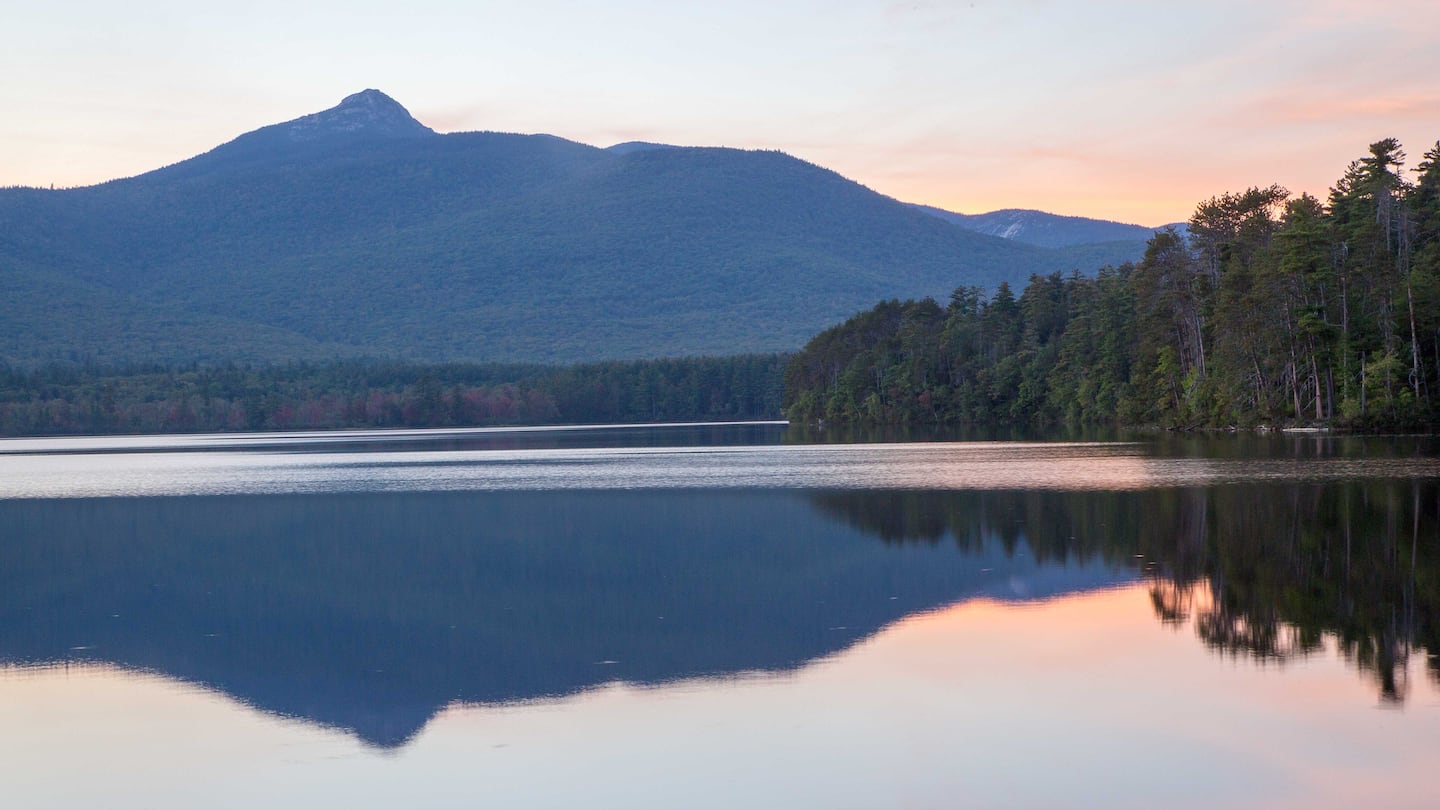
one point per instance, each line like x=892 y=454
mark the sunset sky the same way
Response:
x=1120 y=110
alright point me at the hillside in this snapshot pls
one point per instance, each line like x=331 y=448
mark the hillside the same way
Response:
x=1047 y=230
x=359 y=231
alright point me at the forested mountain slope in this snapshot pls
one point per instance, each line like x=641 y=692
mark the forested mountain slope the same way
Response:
x=358 y=231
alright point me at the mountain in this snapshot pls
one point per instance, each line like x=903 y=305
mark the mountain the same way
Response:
x=637 y=146
x=366 y=117
x=372 y=611
x=358 y=231
x=1046 y=230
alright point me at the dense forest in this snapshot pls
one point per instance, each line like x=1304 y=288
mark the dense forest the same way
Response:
x=469 y=247
x=66 y=399
x=1272 y=310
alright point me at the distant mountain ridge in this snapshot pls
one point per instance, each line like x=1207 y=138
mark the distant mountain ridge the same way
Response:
x=1045 y=230
x=638 y=146
x=358 y=231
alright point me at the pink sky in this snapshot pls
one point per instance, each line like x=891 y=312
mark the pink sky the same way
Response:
x=1119 y=110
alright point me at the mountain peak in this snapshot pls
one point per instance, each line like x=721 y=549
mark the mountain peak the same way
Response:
x=367 y=96
x=366 y=116
x=368 y=112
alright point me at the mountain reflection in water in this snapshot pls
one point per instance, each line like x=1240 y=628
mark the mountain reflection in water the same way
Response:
x=373 y=612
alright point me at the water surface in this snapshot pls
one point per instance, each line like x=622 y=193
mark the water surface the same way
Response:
x=715 y=617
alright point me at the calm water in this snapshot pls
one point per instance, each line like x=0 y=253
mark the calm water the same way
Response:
x=728 y=616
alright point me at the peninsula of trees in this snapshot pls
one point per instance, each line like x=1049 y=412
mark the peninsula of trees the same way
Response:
x=1272 y=310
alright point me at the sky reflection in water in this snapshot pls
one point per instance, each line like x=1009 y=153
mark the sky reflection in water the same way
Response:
x=720 y=624
x=276 y=463
x=1080 y=702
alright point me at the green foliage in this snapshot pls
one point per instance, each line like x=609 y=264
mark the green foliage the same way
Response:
x=70 y=399
x=1272 y=311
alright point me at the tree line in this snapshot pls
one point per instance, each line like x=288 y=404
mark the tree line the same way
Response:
x=65 y=399
x=1268 y=309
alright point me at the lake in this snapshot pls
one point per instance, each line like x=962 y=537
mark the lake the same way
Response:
x=718 y=616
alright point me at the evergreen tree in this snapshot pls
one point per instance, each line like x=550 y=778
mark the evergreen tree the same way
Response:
x=1273 y=310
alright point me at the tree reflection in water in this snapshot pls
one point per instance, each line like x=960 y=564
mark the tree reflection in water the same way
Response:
x=1266 y=572
x=373 y=612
